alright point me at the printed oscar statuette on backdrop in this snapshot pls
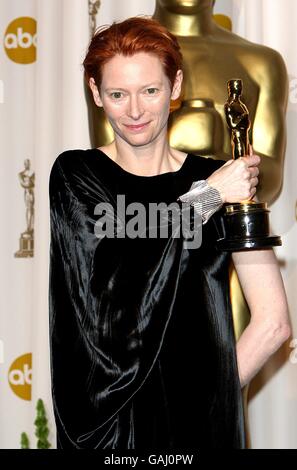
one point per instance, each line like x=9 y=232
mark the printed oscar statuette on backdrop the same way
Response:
x=27 y=182
x=245 y=225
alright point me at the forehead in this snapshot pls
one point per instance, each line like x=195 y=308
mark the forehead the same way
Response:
x=130 y=70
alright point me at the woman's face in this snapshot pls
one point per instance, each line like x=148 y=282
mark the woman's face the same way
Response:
x=135 y=94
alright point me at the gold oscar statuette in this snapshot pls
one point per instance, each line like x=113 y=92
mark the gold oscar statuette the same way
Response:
x=246 y=223
x=27 y=181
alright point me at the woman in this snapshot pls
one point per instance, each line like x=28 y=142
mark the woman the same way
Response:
x=142 y=342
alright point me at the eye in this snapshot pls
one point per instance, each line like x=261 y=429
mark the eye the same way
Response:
x=152 y=91
x=116 y=95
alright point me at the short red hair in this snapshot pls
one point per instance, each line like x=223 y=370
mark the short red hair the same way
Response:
x=137 y=34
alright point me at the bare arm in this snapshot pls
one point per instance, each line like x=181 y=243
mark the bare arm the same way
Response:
x=263 y=288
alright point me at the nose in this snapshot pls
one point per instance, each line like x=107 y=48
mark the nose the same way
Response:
x=135 y=110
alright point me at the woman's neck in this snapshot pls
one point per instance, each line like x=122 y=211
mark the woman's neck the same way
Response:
x=154 y=159
x=182 y=24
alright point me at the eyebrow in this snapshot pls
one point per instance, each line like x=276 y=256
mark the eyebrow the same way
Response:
x=145 y=86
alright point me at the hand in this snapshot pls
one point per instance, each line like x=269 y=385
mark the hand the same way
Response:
x=236 y=181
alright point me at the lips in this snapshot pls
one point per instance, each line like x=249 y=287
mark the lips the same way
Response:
x=136 y=127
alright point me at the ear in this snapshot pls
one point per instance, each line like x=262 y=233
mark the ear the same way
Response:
x=95 y=92
x=176 y=90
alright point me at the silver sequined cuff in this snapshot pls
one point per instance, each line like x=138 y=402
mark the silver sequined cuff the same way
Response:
x=205 y=199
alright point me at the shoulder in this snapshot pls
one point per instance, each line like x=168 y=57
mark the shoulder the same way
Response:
x=67 y=161
x=258 y=58
x=67 y=158
x=63 y=166
x=259 y=50
x=269 y=61
x=265 y=65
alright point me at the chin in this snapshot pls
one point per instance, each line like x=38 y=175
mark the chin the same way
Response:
x=138 y=140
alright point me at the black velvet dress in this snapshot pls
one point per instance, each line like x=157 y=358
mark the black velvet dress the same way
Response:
x=142 y=341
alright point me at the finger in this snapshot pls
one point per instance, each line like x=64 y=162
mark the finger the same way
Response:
x=251 y=151
x=254 y=171
x=254 y=182
x=252 y=160
x=257 y=157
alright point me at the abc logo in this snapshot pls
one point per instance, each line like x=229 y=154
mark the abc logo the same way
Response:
x=20 y=376
x=20 y=40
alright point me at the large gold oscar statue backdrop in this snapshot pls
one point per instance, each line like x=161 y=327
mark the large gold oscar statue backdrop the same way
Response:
x=212 y=56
